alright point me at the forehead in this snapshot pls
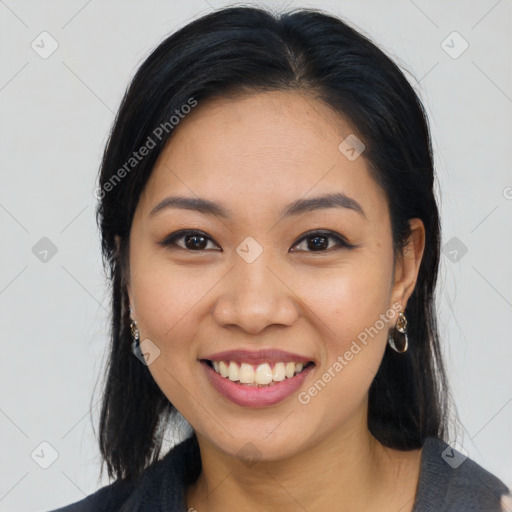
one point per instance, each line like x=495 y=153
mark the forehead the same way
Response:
x=263 y=150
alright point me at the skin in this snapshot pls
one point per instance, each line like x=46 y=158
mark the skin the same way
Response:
x=255 y=154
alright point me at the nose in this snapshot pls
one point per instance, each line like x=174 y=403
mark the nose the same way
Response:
x=254 y=296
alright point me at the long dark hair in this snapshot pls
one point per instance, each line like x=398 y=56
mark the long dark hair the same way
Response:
x=241 y=49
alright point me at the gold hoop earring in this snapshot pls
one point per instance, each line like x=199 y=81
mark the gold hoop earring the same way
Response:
x=135 y=330
x=401 y=325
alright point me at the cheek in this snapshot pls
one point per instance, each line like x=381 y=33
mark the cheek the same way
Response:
x=166 y=297
x=354 y=339
x=349 y=298
x=167 y=301
x=348 y=303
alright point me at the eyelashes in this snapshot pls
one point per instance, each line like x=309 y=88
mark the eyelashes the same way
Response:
x=319 y=237
x=198 y=241
x=170 y=240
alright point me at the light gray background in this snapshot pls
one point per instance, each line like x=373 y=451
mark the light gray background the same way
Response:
x=55 y=116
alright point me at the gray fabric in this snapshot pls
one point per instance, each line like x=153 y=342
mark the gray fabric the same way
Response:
x=442 y=486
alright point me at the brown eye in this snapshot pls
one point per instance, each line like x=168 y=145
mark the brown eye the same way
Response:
x=192 y=240
x=319 y=241
x=195 y=242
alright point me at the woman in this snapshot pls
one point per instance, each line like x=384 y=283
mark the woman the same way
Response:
x=269 y=222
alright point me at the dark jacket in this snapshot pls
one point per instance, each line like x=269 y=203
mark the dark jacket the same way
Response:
x=448 y=483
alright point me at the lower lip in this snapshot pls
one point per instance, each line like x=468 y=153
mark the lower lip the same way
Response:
x=253 y=396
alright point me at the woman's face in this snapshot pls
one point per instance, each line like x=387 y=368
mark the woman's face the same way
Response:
x=252 y=281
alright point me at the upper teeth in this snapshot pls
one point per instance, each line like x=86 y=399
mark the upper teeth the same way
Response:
x=247 y=373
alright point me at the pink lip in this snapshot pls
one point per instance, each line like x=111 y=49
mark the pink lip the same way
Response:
x=248 y=396
x=258 y=357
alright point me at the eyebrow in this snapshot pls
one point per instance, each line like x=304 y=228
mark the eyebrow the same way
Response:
x=298 y=207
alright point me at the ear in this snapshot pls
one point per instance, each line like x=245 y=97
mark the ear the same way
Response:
x=408 y=264
x=117 y=240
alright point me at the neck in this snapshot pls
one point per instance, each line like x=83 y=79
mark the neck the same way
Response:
x=348 y=471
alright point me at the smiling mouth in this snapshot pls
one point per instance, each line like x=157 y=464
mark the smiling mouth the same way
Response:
x=257 y=375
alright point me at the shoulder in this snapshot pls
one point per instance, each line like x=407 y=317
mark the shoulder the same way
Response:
x=163 y=480
x=108 y=498
x=452 y=482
